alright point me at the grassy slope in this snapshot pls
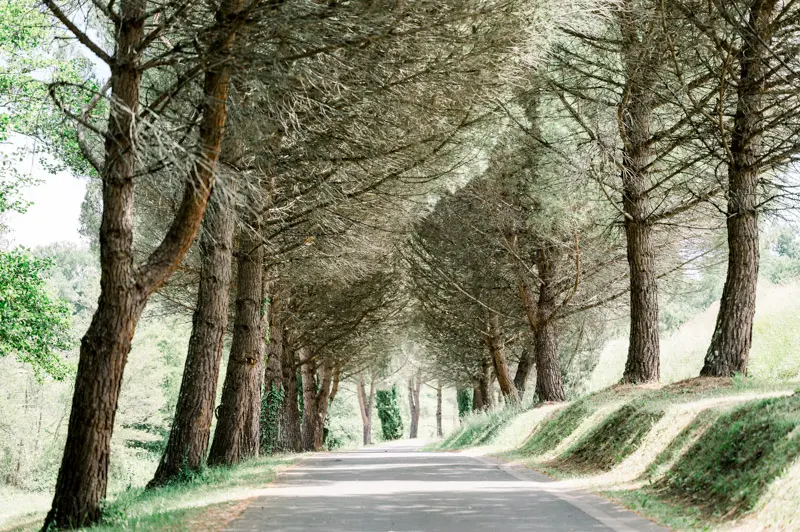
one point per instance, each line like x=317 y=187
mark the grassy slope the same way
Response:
x=697 y=453
x=205 y=502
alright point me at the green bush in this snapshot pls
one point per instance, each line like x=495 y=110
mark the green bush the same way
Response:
x=389 y=414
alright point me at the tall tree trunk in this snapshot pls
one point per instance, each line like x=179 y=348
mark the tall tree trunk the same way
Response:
x=290 y=436
x=414 y=386
x=439 y=430
x=308 y=371
x=733 y=334
x=272 y=405
x=524 y=368
x=485 y=385
x=549 y=385
x=636 y=116
x=237 y=435
x=366 y=403
x=191 y=428
x=494 y=342
x=124 y=288
x=477 y=396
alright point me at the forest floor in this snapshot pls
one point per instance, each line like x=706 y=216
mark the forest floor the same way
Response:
x=713 y=454
x=206 y=502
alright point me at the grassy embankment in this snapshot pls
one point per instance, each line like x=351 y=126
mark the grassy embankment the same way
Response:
x=207 y=501
x=709 y=453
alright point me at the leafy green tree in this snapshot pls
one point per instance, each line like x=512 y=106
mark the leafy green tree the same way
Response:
x=33 y=326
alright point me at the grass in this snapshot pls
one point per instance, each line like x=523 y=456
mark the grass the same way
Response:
x=733 y=462
x=478 y=429
x=612 y=441
x=205 y=501
x=678 y=446
x=695 y=454
x=556 y=429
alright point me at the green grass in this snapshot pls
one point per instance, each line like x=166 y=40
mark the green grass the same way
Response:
x=731 y=465
x=199 y=502
x=556 y=429
x=678 y=446
x=478 y=429
x=612 y=441
x=670 y=514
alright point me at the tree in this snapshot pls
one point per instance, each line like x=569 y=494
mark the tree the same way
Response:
x=414 y=387
x=125 y=285
x=33 y=325
x=618 y=86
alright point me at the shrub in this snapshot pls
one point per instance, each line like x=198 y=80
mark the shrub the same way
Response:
x=389 y=414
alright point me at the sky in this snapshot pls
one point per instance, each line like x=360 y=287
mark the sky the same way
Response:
x=56 y=208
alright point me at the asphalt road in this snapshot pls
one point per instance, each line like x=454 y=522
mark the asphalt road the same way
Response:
x=396 y=488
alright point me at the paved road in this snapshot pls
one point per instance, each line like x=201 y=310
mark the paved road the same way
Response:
x=397 y=488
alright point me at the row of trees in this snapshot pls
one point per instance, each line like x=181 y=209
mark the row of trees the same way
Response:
x=586 y=153
x=653 y=124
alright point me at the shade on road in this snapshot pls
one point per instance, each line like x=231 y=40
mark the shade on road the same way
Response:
x=397 y=488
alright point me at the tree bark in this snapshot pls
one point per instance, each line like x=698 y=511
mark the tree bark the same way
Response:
x=366 y=403
x=290 y=437
x=439 y=430
x=237 y=435
x=414 y=386
x=316 y=397
x=524 y=368
x=494 y=342
x=482 y=398
x=730 y=346
x=191 y=428
x=549 y=385
x=477 y=397
x=308 y=371
x=271 y=418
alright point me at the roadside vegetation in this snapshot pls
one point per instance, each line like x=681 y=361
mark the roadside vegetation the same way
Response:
x=206 y=500
x=693 y=454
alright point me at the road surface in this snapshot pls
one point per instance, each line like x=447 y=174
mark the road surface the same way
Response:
x=397 y=488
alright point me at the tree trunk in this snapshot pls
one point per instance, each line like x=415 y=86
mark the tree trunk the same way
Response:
x=439 y=431
x=290 y=437
x=477 y=397
x=191 y=428
x=366 y=403
x=237 y=435
x=308 y=371
x=124 y=288
x=523 y=370
x=414 y=386
x=494 y=342
x=733 y=334
x=273 y=407
x=636 y=115
x=316 y=397
x=484 y=389
x=549 y=386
